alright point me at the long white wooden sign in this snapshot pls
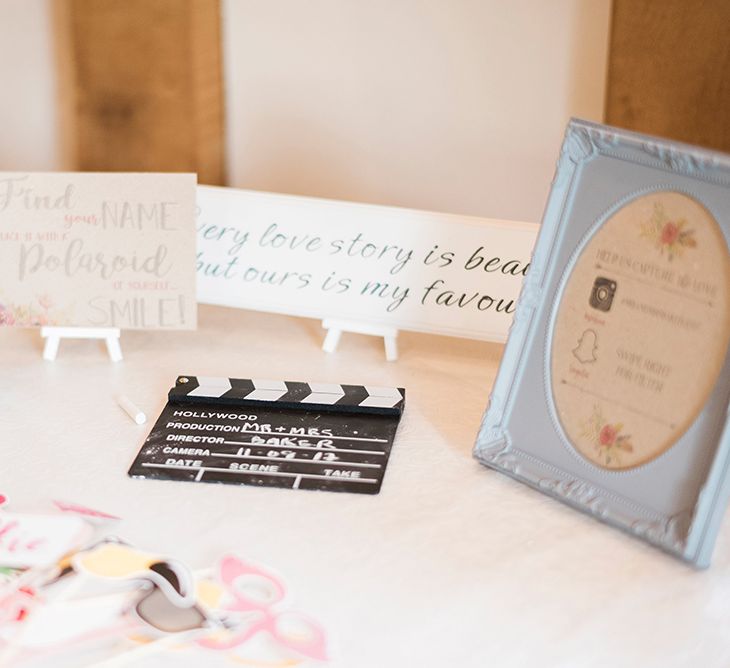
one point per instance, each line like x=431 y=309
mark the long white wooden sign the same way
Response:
x=413 y=270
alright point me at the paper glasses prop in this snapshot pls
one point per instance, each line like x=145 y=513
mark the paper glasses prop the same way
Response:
x=612 y=395
x=248 y=596
x=225 y=612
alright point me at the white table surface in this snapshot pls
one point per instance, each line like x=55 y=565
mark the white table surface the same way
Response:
x=451 y=565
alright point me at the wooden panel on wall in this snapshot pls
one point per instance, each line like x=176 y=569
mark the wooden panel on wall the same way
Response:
x=669 y=69
x=147 y=90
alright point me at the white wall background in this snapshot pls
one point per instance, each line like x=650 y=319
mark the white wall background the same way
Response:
x=451 y=105
x=29 y=137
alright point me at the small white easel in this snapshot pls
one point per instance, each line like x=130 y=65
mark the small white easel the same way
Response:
x=336 y=327
x=53 y=336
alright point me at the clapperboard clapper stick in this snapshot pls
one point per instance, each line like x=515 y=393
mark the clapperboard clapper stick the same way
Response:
x=270 y=433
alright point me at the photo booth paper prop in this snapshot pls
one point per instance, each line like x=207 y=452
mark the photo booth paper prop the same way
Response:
x=89 y=514
x=111 y=603
x=612 y=395
x=28 y=540
x=358 y=263
x=319 y=436
x=90 y=250
x=251 y=596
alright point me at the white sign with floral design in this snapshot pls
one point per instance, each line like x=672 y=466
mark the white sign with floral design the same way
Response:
x=97 y=250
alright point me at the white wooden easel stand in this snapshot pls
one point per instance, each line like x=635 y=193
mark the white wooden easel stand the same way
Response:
x=336 y=327
x=53 y=336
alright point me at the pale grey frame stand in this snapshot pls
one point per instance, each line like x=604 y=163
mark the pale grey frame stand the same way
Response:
x=676 y=501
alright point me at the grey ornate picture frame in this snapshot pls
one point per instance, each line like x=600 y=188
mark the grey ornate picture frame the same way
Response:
x=614 y=389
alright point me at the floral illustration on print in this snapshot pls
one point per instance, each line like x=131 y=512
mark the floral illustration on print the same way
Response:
x=670 y=236
x=36 y=314
x=607 y=438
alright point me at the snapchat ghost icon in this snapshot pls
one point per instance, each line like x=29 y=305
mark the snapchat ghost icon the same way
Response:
x=585 y=351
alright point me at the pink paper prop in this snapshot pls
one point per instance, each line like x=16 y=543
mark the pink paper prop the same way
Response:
x=163 y=598
x=82 y=510
x=253 y=591
x=16 y=604
x=28 y=540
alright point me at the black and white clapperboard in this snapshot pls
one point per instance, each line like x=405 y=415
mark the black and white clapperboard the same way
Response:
x=273 y=433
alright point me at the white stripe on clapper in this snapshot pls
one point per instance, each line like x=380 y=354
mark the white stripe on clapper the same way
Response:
x=267 y=390
x=324 y=393
x=210 y=386
x=381 y=397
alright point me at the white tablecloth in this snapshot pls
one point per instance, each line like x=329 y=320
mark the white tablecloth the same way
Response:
x=451 y=565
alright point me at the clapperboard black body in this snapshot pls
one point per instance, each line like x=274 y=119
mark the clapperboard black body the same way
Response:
x=273 y=433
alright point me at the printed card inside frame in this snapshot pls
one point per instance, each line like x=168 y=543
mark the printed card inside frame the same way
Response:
x=667 y=485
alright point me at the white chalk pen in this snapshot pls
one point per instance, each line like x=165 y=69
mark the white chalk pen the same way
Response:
x=130 y=409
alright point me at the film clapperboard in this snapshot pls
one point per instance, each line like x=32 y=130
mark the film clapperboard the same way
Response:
x=273 y=433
